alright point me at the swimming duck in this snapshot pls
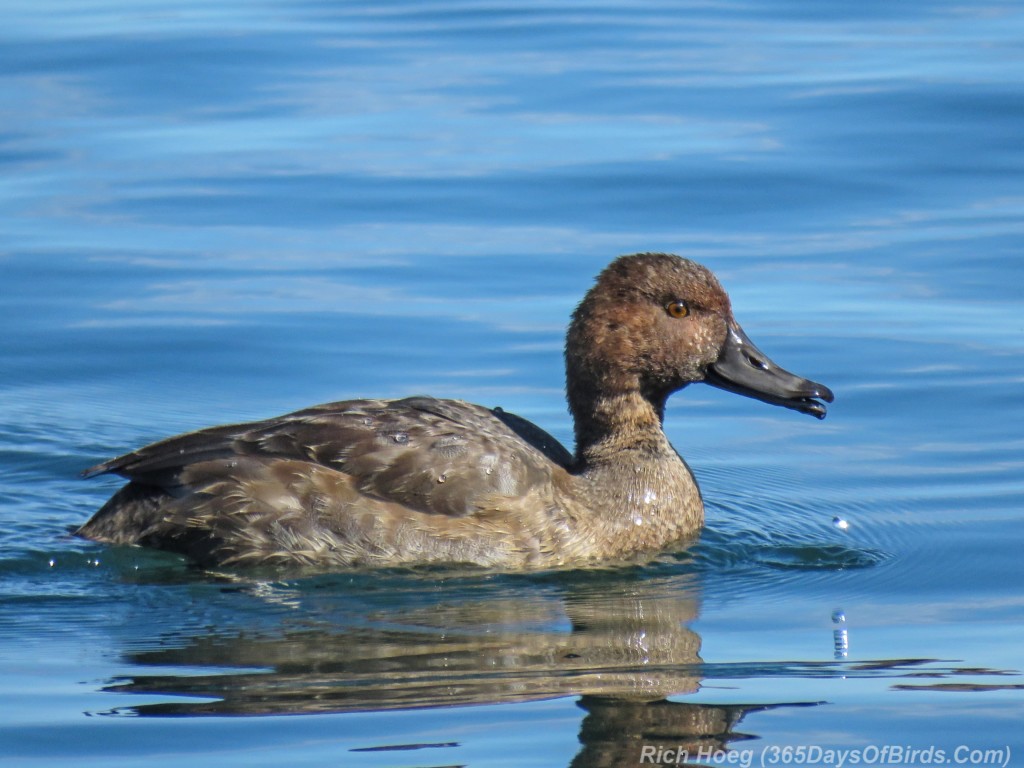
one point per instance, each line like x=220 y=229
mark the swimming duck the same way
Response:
x=372 y=483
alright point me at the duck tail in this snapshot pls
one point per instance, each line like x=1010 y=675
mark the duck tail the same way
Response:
x=128 y=516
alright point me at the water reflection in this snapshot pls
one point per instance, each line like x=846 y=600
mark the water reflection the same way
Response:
x=622 y=646
x=621 y=642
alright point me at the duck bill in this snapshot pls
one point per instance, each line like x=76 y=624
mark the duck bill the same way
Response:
x=743 y=368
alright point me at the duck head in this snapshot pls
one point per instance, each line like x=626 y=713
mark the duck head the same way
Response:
x=654 y=323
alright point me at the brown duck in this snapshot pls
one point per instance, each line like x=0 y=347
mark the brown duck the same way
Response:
x=376 y=483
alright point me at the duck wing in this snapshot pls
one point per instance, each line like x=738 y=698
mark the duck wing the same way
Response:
x=436 y=456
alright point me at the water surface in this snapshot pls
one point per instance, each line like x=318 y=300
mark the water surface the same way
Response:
x=213 y=214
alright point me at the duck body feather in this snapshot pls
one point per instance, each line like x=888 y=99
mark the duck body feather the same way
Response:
x=360 y=483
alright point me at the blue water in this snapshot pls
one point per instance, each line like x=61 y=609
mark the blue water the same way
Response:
x=218 y=212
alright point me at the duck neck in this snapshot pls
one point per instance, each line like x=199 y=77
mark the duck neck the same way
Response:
x=640 y=491
x=610 y=427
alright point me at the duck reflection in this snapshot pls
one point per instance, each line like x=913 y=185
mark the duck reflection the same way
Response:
x=622 y=646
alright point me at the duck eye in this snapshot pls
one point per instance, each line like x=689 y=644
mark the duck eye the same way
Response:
x=677 y=308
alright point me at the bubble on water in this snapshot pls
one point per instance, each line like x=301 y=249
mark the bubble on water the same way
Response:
x=841 y=643
x=840 y=635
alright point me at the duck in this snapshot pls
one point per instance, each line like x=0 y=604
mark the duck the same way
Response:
x=423 y=481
